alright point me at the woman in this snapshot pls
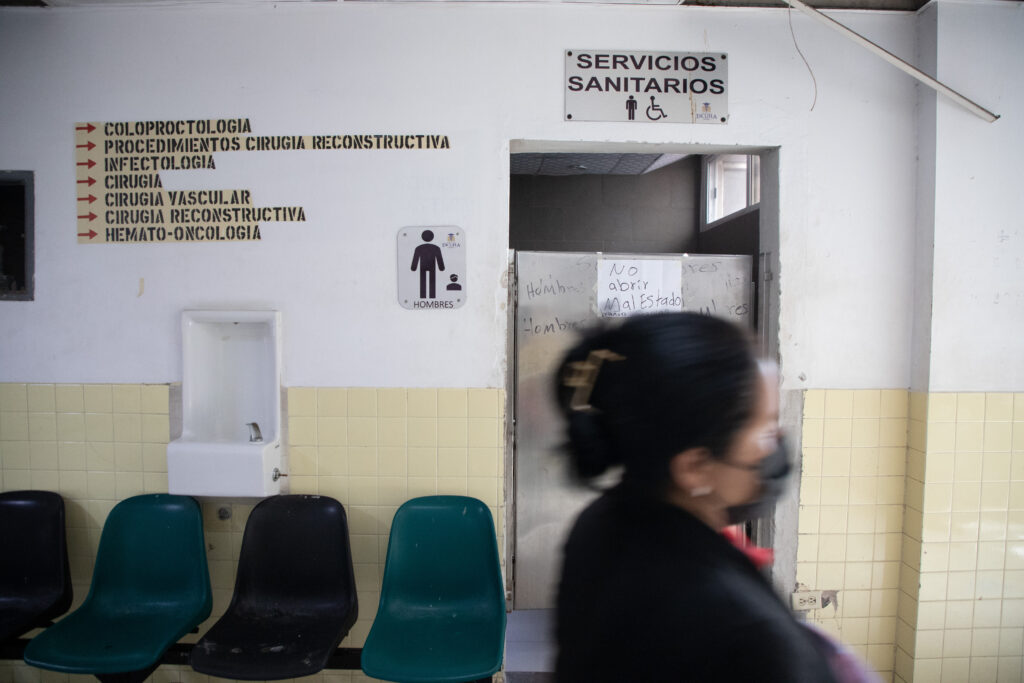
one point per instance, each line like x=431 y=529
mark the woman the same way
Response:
x=650 y=588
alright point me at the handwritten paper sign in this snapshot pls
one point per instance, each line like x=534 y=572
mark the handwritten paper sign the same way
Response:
x=627 y=287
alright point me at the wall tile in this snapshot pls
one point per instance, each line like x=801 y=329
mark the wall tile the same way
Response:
x=46 y=480
x=98 y=398
x=362 y=462
x=864 y=432
x=892 y=462
x=302 y=402
x=814 y=404
x=126 y=398
x=452 y=462
x=154 y=457
x=99 y=427
x=452 y=432
x=485 y=403
x=393 y=461
x=14 y=426
x=452 y=403
x=422 y=402
x=422 y=432
x=812 y=433
x=892 y=432
x=333 y=402
x=392 y=431
x=156 y=428
x=835 y=490
x=41 y=398
x=941 y=407
x=970 y=436
x=484 y=462
x=484 y=432
x=330 y=431
x=894 y=403
x=837 y=433
x=362 y=431
x=14 y=397
x=71 y=456
x=155 y=398
x=330 y=461
x=392 y=403
x=997 y=436
x=302 y=431
x=362 y=402
x=867 y=403
x=838 y=403
x=68 y=398
x=127 y=427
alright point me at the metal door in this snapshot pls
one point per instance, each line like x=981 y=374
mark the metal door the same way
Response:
x=557 y=295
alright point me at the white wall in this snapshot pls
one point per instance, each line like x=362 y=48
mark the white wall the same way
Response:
x=484 y=75
x=924 y=236
x=978 y=285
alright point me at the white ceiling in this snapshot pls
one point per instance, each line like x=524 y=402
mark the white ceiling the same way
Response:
x=905 y=5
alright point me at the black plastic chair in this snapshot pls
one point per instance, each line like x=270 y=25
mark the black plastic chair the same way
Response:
x=295 y=595
x=35 y=578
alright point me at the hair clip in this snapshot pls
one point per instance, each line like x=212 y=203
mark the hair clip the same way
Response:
x=583 y=375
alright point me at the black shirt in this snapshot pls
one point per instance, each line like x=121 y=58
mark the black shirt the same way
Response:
x=650 y=593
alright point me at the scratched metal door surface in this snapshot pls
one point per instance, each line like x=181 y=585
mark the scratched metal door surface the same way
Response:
x=557 y=296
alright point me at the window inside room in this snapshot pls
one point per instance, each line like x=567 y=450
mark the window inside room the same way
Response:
x=16 y=235
x=733 y=184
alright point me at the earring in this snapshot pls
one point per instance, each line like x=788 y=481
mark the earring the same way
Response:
x=699 y=491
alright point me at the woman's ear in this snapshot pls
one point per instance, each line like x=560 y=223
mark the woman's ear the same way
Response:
x=690 y=471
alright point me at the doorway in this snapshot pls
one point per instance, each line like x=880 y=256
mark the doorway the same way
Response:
x=620 y=199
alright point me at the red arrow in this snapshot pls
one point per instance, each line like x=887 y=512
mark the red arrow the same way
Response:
x=90 y=163
x=88 y=182
x=89 y=199
x=91 y=216
x=88 y=145
x=90 y=234
x=88 y=128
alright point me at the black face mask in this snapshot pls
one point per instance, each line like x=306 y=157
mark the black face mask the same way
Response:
x=774 y=471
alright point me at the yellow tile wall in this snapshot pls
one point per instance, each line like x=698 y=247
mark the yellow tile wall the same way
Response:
x=962 y=588
x=372 y=449
x=851 y=515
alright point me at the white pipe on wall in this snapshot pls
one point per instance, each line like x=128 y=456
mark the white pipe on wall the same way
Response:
x=895 y=61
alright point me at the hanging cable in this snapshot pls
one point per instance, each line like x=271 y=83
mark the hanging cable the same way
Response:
x=789 y=13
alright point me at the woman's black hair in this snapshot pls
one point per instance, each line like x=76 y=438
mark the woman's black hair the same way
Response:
x=639 y=393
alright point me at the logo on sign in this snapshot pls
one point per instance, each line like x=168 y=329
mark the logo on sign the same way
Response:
x=705 y=113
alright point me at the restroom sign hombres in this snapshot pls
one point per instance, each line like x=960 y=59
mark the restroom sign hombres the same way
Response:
x=646 y=87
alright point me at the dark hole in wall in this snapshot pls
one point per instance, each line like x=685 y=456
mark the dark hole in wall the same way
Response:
x=16 y=193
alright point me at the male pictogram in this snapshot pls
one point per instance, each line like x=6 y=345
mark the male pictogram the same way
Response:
x=427 y=257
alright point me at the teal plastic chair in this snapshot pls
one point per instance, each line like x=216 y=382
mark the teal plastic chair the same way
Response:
x=150 y=586
x=441 y=616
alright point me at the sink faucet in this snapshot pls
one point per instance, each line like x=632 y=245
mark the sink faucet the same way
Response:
x=254 y=432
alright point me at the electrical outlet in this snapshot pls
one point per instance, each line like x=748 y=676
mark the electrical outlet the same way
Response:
x=806 y=600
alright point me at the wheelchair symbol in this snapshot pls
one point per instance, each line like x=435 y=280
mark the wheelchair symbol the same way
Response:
x=655 y=109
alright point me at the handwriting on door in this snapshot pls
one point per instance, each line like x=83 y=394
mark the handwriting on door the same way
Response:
x=550 y=286
x=539 y=327
x=638 y=286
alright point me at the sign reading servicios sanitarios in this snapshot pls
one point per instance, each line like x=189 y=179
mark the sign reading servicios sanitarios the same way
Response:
x=647 y=87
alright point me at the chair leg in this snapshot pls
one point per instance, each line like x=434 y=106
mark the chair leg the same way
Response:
x=128 y=676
